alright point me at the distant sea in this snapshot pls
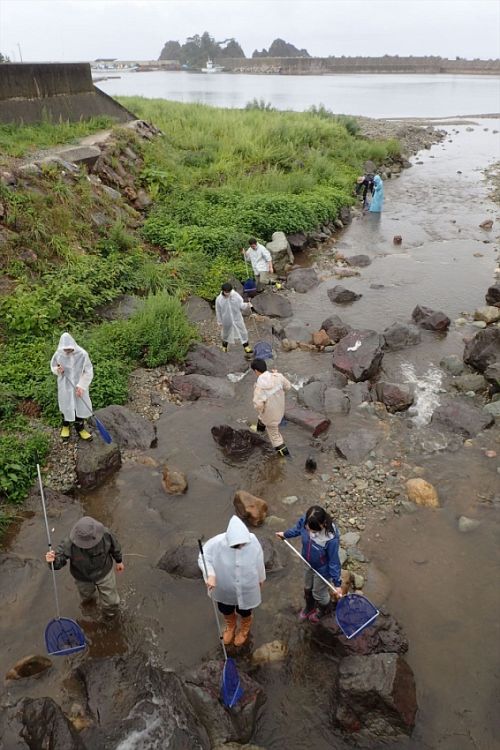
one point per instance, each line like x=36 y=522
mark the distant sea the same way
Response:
x=369 y=95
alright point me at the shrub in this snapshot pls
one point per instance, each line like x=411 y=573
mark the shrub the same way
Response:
x=161 y=331
x=18 y=459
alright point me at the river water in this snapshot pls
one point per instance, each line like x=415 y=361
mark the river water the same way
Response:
x=441 y=585
x=368 y=95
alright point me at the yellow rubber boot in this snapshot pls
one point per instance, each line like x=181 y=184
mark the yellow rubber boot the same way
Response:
x=65 y=432
x=230 y=629
x=84 y=435
x=243 y=631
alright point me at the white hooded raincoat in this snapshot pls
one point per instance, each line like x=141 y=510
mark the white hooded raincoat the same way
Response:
x=228 y=314
x=238 y=572
x=77 y=369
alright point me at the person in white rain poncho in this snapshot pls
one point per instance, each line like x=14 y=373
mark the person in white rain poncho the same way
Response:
x=236 y=572
x=74 y=372
x=228 y=307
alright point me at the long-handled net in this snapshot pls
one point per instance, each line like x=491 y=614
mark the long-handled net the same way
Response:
x=353 y=613
x=102 y=430
x=231 y=691
x=62 y=635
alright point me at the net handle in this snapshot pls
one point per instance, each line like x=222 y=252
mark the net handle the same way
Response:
x=42 y=495
x=216 y=613
x=310 y=566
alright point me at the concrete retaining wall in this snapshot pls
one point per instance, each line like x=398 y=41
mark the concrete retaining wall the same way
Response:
x=33 y=92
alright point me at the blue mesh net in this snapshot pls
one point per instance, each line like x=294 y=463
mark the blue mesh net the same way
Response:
x=230 y=691
x=64 y=636
x=263 y=350
x=249 y=285
x=354 y=613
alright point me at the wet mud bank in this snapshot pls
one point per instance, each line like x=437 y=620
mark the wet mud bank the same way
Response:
x=435 y=574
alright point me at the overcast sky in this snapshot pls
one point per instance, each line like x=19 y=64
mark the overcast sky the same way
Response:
x=137 y=29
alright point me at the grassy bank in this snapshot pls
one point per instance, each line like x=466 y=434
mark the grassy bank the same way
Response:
x=68 y=246
x=18 y=141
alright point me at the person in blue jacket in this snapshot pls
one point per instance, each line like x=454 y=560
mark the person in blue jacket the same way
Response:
x=378 y=195
x=320 y=547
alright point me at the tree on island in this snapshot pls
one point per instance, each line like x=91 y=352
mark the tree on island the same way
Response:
x=280 y=48
x=198 y=49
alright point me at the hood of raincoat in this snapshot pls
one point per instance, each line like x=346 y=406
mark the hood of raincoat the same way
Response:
x=67 y=342
x=266 y=380
x=377 y=180
x=237 y=532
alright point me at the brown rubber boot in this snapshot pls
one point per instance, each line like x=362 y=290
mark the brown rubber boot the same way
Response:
x=230 y=629
x=243 y=631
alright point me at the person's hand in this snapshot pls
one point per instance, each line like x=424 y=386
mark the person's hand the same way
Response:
x=79 y=391
x=50 y=556
x=120 y=567
x=243 y=251
x=60 y=369
x=338 y=592
x=280 y=534
x=211 y=583
x=261 y=583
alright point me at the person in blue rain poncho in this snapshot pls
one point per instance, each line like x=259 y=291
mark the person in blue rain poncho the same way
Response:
x=378 y=195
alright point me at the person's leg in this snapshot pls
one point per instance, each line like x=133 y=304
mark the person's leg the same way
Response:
x=65 y=429
x=80 y=428
x=277 y=439
x=308 y=596
x=228 y=610
x=224 y=346
x=108 y=592
x=321 y=595
x=243 y=632
x=87 y=591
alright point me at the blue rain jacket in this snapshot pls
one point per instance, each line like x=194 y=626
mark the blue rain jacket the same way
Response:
x=378 y=195
x=323 y=559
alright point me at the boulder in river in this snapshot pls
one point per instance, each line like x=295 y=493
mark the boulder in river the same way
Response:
x=394 y=396
x=335 y=328
x=431 y=320
x=251 y=509
x=131 y=700
x=96 y=461
x=272 y=304
x=202 y=686
x=493 y=295
x=302 y=279
x=401 y=335
x=312 y=395
x=197 y=310
x=340 y=295
x=193 y=386
x=489 y=314
x=127 y=428
x=280 y=250
x=181 y=559
x=483 y=349
x=321 y=339
x=375 y=695
x=358 y=260
x=296 y=330
x=212 y=361
x=45 y=726
x=237 y=443
x=174 y=482
x=384 y=635
x=492 y=376
x=461 y=418
x=359 y=355
x=298 y=241
x=29 y=666
x=309 y=420
x=335 y=401
x=422 y=493
x=355 y=446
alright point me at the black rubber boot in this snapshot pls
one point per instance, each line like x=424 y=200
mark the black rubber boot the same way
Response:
x=309 y=607
x=320 y=612
x=282 y=450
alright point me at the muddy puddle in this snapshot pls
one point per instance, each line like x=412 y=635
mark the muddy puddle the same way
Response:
x=439 y=583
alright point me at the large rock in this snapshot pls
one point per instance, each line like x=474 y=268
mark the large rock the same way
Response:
x=359 y=355
x=358 y=260
x=469 y=382
x=194 y=386
x=321 y=339
x=181 y=559
x=335 y=328
x=375 y=695
x=431 y=320
x=492 y=376
x=272 y=304
x=202 y=686
x=122 y=308
x=298 y=241
x=296 y=330
x=384 y=635
x=272 y=558
x=395 y=397
x=335 y=401
x=341 y=295
x=302 y=279
x=237 y=444
x=46 y=727
x=309 y=420
x=127 y=428
x=355 y=446
x=211 y=361
x=280 y=250
x=358 y=393
x=130 y=698
x=28 y=667
x=422 y=493
x=461 y=418
x=197 y=310
x=401 y=335
x=251 y=509
x=312 y=395
x=489 y=314
x=493 y=295
x=483 y=349
x=95 y=462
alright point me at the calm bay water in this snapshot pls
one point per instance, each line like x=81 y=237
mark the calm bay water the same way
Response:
x=369 y=95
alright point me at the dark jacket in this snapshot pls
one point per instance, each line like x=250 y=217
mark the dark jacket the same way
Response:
x=89 y=565
x=323 y=559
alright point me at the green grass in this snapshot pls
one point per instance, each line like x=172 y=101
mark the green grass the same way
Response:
x=18 y=141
